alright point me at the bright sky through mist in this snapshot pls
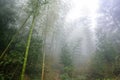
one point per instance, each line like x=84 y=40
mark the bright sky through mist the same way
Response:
x=80 y=8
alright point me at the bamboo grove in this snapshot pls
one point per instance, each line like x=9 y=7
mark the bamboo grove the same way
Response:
x=59 y=40
x=36 y=4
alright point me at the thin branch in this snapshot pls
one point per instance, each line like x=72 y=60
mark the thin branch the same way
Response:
x=13 y=38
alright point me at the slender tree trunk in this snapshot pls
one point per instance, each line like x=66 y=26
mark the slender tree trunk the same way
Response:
x=43 y=64
x=44 y=34
x=27 y=48
x=13 y=38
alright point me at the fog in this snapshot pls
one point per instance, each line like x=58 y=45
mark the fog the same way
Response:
x=60 y=40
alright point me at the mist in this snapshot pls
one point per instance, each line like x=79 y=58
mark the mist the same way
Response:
x=59 y=40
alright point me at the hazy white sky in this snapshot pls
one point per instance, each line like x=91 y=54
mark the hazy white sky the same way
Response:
x=79 y=8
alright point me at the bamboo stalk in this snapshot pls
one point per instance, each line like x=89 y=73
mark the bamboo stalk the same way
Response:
x=43 y=65
x=27 y=49
x=29 y=41
x=44 y=54
x=43 y=51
